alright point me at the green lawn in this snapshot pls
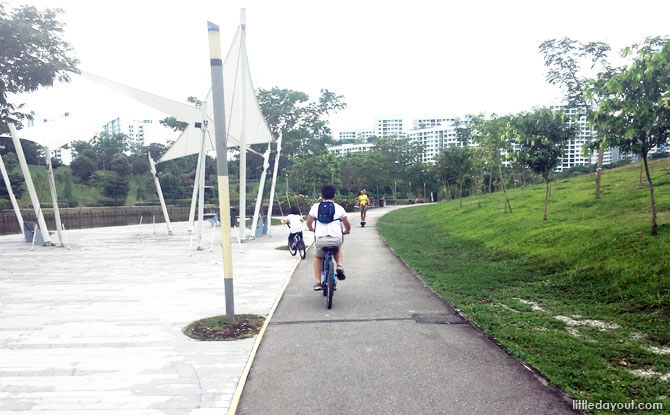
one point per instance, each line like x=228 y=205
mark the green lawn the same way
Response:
x=584 y=296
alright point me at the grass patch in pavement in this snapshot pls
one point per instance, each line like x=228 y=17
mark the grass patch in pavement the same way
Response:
x=218 y=328
x=584 y=297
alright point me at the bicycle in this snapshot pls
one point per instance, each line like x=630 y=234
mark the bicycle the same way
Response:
x=328 y=280
x=297 y=244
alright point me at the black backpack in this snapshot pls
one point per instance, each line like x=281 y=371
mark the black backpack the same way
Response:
x=326 y=212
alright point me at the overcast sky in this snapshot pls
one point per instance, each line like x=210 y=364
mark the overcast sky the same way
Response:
x=388 y=58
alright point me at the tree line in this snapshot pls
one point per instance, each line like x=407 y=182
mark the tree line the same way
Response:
x=628 y=106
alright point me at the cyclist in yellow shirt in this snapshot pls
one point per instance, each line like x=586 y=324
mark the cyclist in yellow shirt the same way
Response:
x=363 y=202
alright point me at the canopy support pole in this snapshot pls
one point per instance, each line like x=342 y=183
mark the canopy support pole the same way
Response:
x=261 y=186
x=243 y=136
x=160 y=194
x=201 y=188
x=8 y=185
x=54 y=196
x=194 y=197
x=220 y=134
x=274 y=180
x=29 y=184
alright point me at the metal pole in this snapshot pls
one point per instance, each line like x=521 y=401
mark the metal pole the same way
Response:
x=54 y=196
x=243 y=139
x=29 y=184
x=196 y=185
x=201 y=196
x=216 y=66
x=274 y=180
x=261 y=185
x=8 y=185
x=160 y=195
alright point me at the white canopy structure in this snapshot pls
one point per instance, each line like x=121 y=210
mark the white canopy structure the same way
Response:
x=245 y=122
x=50 y=135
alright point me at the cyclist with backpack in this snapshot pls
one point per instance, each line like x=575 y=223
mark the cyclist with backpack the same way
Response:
x=326 y=219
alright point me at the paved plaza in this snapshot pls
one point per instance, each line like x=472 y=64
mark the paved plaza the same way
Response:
x=97 y=328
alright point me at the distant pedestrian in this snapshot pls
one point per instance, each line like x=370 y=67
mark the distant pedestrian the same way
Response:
x=25 y=204
x=363 y=202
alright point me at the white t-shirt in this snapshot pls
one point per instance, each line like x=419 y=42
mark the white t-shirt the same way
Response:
x=333 y=228
x=294 y=223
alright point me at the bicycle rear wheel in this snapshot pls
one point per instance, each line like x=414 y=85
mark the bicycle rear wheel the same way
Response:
x=301 y=247
x=292 y=247
x=324 y=283
x=330 y=279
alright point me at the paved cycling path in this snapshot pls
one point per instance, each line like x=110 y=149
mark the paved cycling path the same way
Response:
x=388 y=345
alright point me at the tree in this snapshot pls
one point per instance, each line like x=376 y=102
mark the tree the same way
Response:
x=172 y=187
x=120 y=164
x=565 y=59
x=455 y=165
x=79 y=147
x=140 y=166
x=32 y=54
x=302 y=123
x=175 y=124
x=115 y=187
x=309 y=172
x=83 y=166
x=636 y=107
x=107 y=146
x=64 y=176
x=542 y=135
x=493 y=138
x=33 y=152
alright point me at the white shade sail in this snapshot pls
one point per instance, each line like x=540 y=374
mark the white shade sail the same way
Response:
x=57 y=133
x=176 y=109
x=243 y=114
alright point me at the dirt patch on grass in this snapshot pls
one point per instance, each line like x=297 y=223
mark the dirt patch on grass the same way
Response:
x=600 y=325
x=219 y=329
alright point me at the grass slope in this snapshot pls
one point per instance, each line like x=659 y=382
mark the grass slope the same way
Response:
x=584 y=296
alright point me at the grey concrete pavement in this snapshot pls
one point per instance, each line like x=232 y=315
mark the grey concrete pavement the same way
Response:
x=97 y=329
x=388 y=345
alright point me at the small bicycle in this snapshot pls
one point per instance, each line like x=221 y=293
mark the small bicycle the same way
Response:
x=297 y=245
x=328 y=280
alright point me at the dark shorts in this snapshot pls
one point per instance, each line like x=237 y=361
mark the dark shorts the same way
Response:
x=290 y=236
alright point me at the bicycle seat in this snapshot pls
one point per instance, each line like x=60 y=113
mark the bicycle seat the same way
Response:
x=330 y=248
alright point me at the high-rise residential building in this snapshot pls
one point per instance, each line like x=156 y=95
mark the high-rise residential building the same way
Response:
x=348 y=135
x=386 y=127
x=139 y=132
x=350 y=148
x=436 y=134
x=573 y=154
x=364 y=135
x=435 y=138
x=433 y=122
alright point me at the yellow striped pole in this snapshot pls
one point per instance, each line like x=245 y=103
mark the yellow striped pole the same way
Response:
x=216 y=65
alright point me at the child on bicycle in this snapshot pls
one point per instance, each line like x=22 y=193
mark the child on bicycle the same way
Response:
x=326 y=220
x=294 y=222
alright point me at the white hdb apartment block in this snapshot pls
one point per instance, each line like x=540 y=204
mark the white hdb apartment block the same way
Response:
x=573 y=154
x=389 y=127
